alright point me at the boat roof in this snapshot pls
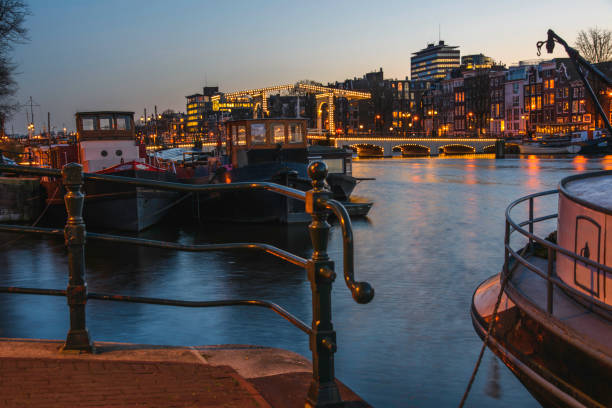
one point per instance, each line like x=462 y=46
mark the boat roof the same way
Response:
x=591 y=189
x=104 y=113
x=263 y=119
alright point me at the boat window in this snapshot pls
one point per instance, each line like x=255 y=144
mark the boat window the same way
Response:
x=88 y=123
x=334 y=165
x=106 y=123
x=278 y=133
x=258 y=133
x=123 y=123
x=241 y=135
x=295 y=133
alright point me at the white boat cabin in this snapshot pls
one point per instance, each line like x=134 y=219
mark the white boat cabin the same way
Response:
x=106 y=138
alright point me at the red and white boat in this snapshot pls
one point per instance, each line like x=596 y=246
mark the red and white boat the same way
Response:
x=106 y=144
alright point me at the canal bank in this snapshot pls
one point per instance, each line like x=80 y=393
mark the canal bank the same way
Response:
x=36 y=374
x=433 y=234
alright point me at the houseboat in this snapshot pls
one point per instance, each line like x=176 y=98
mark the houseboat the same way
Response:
x=553 y=326
x=272 y=150
x=106 y=144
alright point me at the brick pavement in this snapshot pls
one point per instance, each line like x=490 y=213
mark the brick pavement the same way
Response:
x=33 y=373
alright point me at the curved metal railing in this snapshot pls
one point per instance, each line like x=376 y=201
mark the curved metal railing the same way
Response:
x=323 y=390
x=512 y=256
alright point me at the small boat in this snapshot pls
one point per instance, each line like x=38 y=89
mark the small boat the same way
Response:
x=553 y=326
x=548 y=148
x=106 y=144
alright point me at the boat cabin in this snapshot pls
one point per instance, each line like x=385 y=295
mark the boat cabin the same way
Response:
x=254 y=141
x=106 y=138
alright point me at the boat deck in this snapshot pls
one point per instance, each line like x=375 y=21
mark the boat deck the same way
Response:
x=586 y=326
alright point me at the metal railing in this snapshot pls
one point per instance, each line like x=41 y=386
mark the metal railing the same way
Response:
x=323 y=390
x=513 y=258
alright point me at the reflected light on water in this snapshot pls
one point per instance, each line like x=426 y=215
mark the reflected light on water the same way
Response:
x=579 y=163
x=606 y=162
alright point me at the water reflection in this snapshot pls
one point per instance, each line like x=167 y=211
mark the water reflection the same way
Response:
x=434 y=233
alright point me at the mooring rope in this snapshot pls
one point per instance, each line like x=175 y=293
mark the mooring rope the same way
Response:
x=489 y=332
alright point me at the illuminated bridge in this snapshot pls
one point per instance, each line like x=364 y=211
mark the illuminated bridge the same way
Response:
x=385 y=146
x=324 y=96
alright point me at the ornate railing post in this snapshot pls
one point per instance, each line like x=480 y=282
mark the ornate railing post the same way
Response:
x=323 y=390
x=74 y=236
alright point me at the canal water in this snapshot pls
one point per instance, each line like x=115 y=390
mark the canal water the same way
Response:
x=435 y=232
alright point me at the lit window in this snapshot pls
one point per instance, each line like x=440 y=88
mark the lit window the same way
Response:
x=241 y=130
x=278 y=133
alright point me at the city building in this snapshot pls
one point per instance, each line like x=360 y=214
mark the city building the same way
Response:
x=515 y=119
x=434 y=62
x=199 y=106
x=476 y=61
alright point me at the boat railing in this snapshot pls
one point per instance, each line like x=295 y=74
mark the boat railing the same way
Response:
x=513 y=258
x=323 y=390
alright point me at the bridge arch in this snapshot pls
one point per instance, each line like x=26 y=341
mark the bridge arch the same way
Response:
x=368 y=150
x=456 y=148
x=413 y=149
x=489 y=149
x=323 y=114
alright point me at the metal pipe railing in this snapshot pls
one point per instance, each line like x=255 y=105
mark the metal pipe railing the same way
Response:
x=549 y=275
x=323 y=390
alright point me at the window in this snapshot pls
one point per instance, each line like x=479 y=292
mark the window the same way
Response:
x=278 y=133
x=515 y=100
x=241 y=130
x=586 y=118
x=295 y=133
x=106 y=123
x=88 y=123
x=574 y=106
x=123 y=123
x=258 y=133
x=515 y=87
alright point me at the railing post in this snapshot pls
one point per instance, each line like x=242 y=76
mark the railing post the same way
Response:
x=323 y=390
x=530 y=222
x=74 y=236
x=549 y=283
x=506 y=245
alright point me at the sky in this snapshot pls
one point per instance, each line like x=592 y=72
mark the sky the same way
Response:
x=133 y=54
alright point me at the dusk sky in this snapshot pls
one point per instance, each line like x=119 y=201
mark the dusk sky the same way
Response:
x=128 y=55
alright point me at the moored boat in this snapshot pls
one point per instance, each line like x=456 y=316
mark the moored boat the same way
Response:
x=271 y=150
x=553 y=328
x=106 y=144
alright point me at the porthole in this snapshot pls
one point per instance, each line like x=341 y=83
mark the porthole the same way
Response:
x=118 y=152
x=104 y=153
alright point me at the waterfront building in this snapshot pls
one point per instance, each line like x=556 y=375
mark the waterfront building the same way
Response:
x=476 y=61
x=515 y=119
x=434 y=62
x=497 y=123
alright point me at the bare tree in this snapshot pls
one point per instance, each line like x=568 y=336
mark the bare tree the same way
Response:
x=595 y=44
x=12 y=31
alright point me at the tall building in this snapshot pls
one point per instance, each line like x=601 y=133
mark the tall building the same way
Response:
x=434 y=62
x=198 y=107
